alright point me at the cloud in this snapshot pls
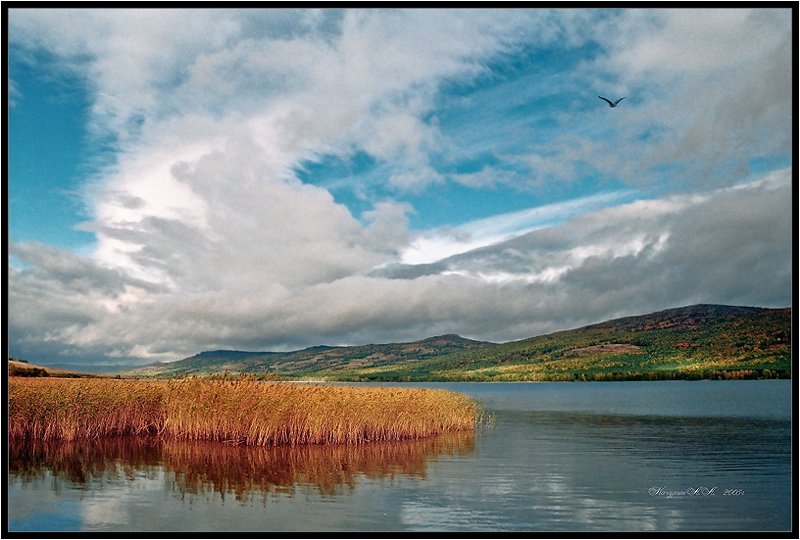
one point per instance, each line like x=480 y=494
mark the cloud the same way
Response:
x=432 y=246
x=309 y=83
x=206 y=238
x=708 y=102
x=56 y=300
x=14 y=93
x=712 y=87
x=213 y=118
x=713 y=247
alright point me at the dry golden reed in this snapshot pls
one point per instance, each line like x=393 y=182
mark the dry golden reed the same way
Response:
x=237 y=411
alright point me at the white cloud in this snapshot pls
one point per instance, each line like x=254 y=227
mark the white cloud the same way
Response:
x=207 y=239
x=14 y=93
x=696 y=42
x=711 y=247
x=212 y=118
x=636 y=257
x=435 y=245
x=713 y=90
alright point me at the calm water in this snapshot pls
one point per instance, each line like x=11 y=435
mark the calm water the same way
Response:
x=634 y=456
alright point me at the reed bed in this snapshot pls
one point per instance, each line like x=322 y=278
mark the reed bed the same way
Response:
x=50 y=408
x=236 y=411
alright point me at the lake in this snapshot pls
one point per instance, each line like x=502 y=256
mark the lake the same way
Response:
x=615 y=456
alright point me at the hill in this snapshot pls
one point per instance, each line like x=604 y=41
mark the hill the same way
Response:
x=21 y=368
x=702 y=341
x=313 y=362
x=695 y=342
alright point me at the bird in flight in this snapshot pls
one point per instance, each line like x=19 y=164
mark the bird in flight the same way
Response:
x=612 y=104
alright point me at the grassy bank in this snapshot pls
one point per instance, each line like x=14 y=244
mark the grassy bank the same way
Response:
x=240 y=411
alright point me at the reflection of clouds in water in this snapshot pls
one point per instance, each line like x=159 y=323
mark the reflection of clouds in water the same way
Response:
x=109 y=506
x=111 y=509
x=36 y=504
x=551 y=483
x=534 y=477
x=43 y=501
x=424 y=515
x=535 y=471
x=553 y=504
x=501 y=486
x=607 y=514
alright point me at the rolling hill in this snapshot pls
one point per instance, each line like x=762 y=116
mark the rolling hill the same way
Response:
x=695 y=342
x=21 y=368
x=313 y=360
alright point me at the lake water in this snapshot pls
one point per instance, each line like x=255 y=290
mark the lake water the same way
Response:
x=628 y=456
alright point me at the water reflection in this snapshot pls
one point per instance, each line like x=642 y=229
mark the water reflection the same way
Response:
x=690 y=437
x=542 y=466
x=243 y=471
x=594 y=471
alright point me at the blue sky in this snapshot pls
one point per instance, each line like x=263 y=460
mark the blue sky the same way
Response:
x=515 y=91
x=49 y=155
x=182 y=180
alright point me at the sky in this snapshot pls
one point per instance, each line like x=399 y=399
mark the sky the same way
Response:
x=182 y=180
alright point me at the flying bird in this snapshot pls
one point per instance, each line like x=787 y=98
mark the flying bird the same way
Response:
x=612 y=104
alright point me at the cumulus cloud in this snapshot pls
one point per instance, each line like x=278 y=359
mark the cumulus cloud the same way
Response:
x=711 y=247
x=206 y=237
x=212 y=119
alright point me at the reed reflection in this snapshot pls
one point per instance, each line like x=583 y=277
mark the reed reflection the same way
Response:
x=84 y=461
x=241 y=471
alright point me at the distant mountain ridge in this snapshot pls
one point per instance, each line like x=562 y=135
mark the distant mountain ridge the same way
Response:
x=689 y=316
x=700 y=341
x=319 y=355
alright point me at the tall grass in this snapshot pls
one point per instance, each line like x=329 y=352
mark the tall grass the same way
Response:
x=238 y=411
x=49 y=408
